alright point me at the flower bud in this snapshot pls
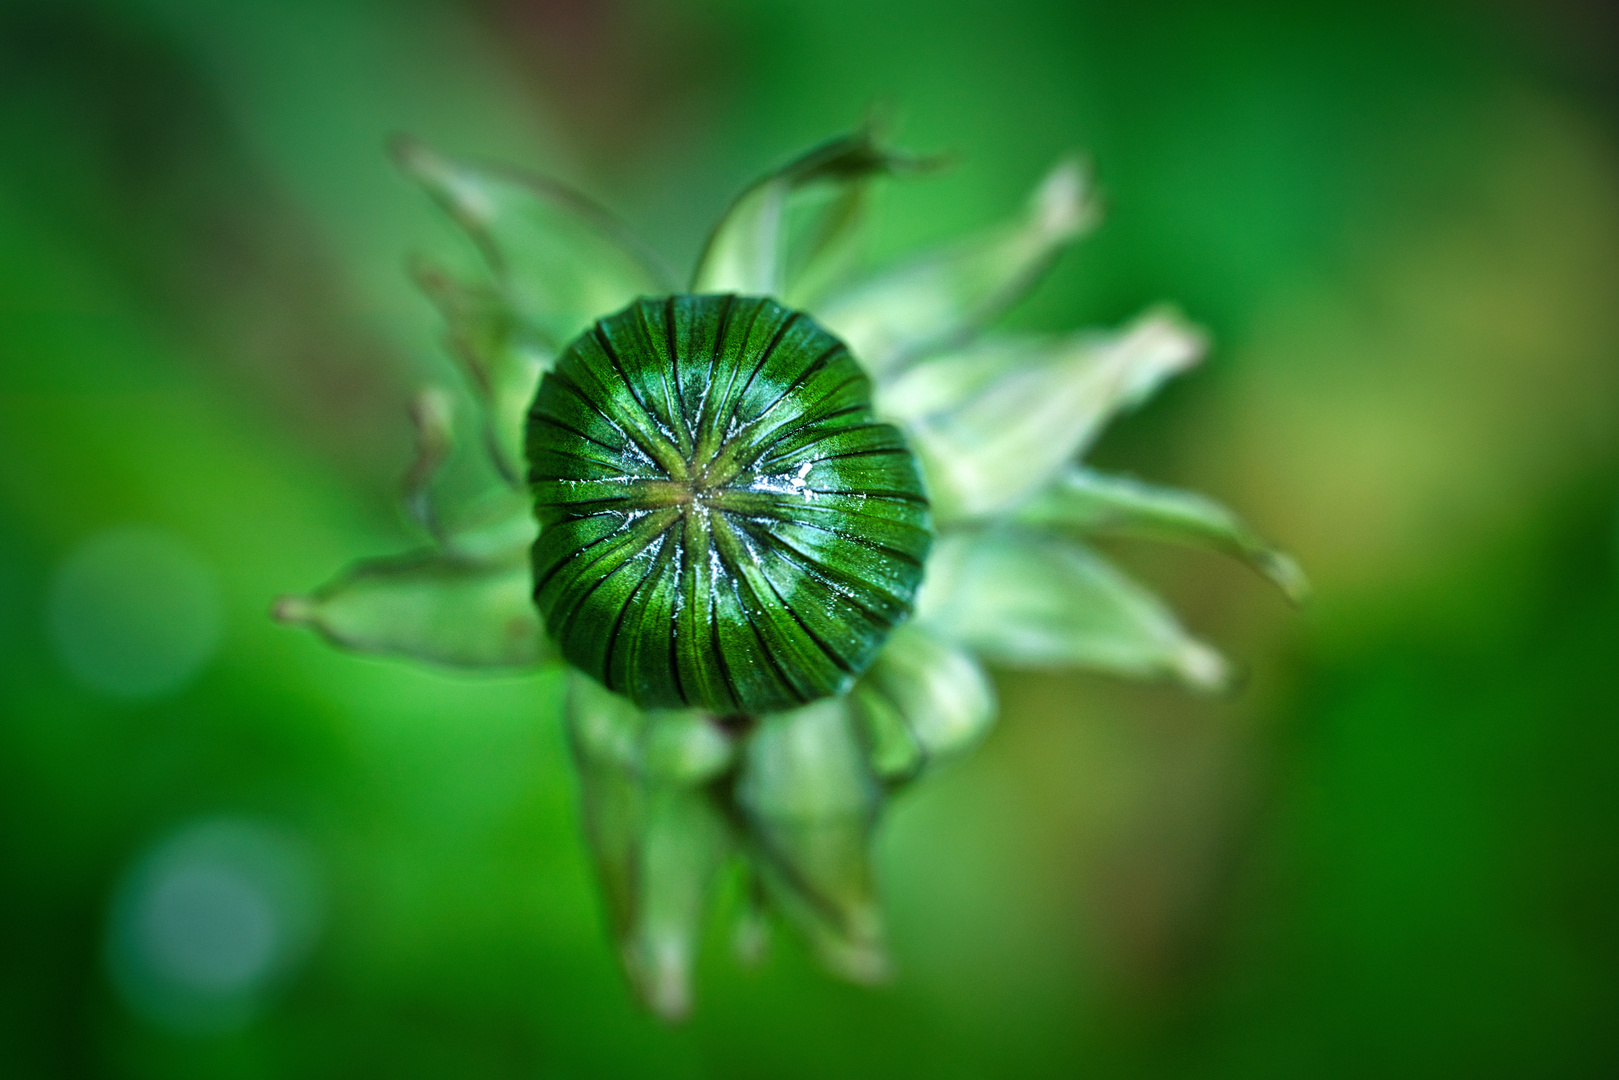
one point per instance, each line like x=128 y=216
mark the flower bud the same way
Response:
x=724 y=523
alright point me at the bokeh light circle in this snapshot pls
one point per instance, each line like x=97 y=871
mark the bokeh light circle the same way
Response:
x=210 y=920
x=134 y=612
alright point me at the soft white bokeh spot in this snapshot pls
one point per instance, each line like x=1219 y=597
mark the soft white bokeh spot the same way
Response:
x=211 y=929
x=134 y=612
x=211 y=920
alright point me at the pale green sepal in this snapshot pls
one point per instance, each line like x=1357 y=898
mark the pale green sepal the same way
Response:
x=686 y=747
x=432 y=413
x=994 y=423
x=561 y=261
x=922 y=700
x=895 y=753
x=811 y=801
x=1027 y=599
x=685 y=840
x=496 y=525
x=1094 y=504
x=431 y=606
x=604 y=727
x=658 y=837
x=939 y=298
x=502 y=361
x=748 y=251
x=750 y=931
x=682 y=746
x=491 y=525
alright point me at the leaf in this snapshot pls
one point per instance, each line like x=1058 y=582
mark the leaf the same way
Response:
x=684 y=746
x=561 y=261
x=1093 y=504
x=810 y=802
x=1032 y=600
x=750 y=928
x=432 y=413
x=503 y=361
x=658 y=835
x=684 y=840
x=923 y=700
x=942 y=297
x=484 y=524
x=995 y=422
x=431 y=606
x=495 y=525
x=748 y=251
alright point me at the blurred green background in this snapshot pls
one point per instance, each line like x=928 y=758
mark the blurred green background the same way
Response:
x=1395 y=852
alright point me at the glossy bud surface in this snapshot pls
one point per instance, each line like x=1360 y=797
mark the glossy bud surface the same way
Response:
x=724 y=523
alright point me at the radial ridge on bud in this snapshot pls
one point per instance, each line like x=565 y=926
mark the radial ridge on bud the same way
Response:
x=724 y=523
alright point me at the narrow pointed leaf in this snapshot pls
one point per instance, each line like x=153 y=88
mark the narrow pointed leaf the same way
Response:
x=686 y=747
x=560 y=260
x=1043 y=601
x=494 y=526
x=942 y=297
x=750 y=932
x=1093 y=504
x=605 y=728
x=433 y=415
x=657 y=849
x=477 y=523
x=433 y=607
x=502 y=359
x=678 y=746
x=658 y=839
x=685 y=841
x=996 y=422
x=811 y=801
x=924 y=699
x=748 y=252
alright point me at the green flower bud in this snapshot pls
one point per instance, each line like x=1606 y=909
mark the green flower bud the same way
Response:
x=724 y=523
x=810 y=799
x=728 y=536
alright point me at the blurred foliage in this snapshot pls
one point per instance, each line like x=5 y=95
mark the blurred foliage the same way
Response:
x=1392 y=853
